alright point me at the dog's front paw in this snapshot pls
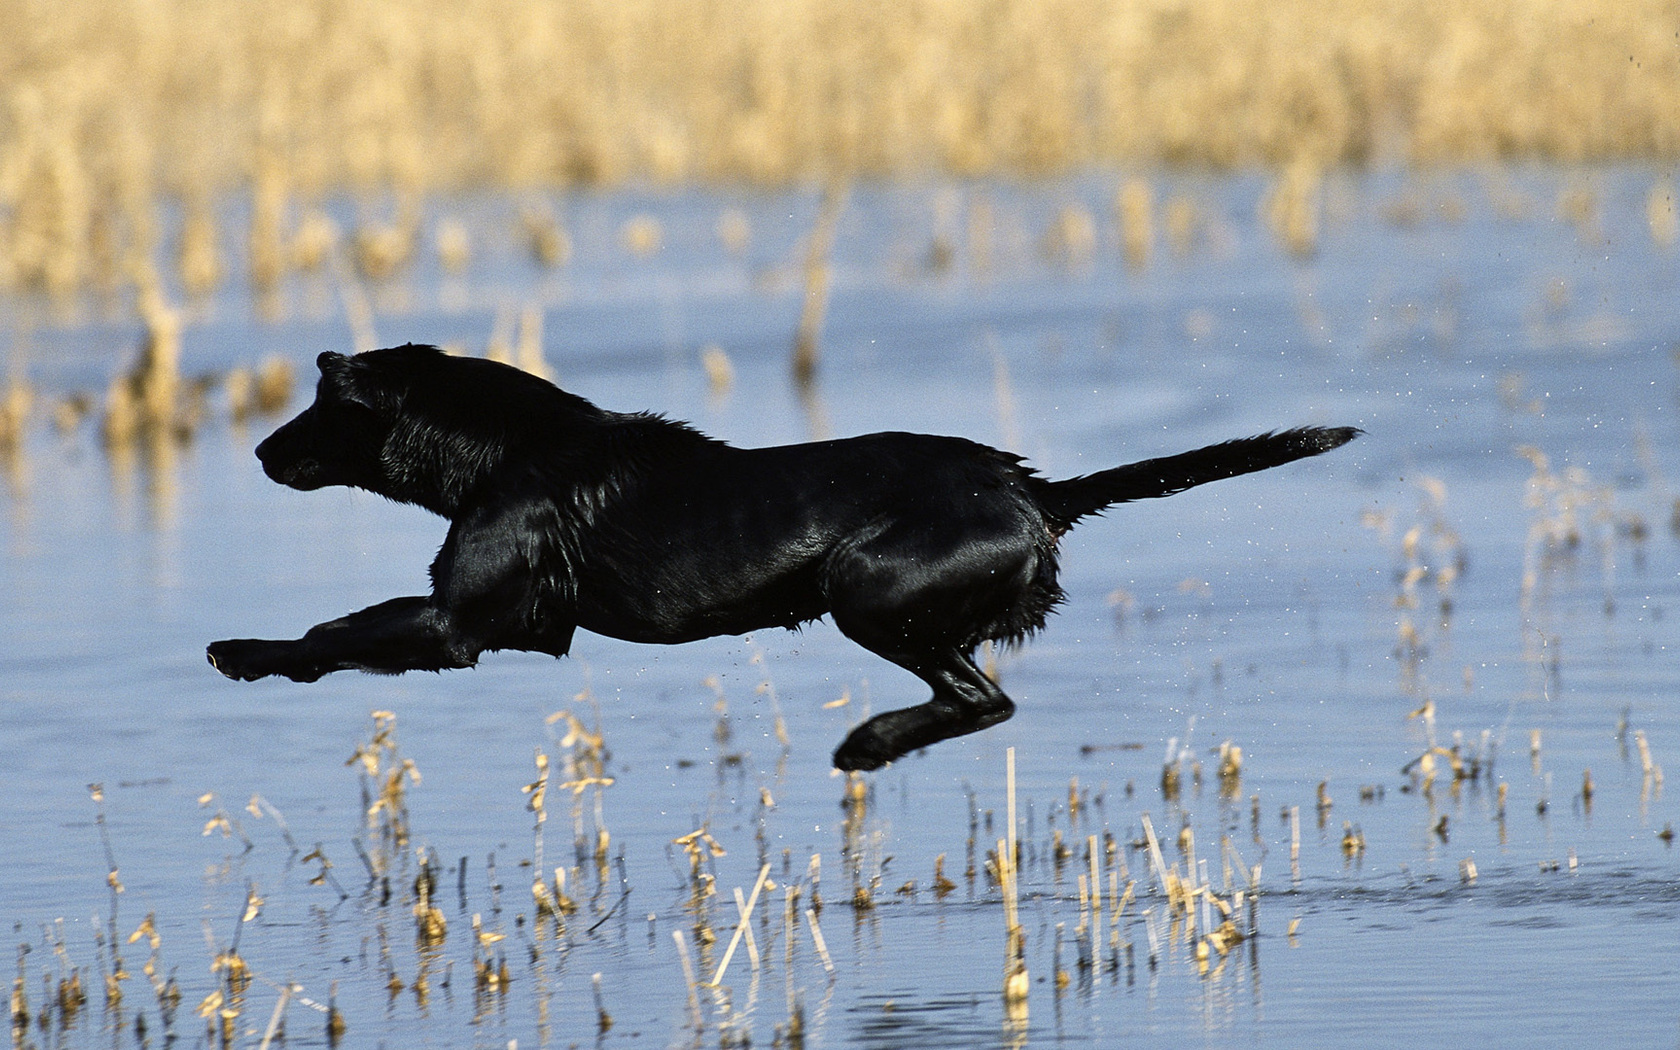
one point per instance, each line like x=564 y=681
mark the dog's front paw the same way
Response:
x=248 y=659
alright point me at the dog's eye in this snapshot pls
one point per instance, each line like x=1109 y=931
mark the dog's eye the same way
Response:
x=340 y=387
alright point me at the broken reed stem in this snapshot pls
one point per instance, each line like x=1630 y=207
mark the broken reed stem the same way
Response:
x=274 y=1019
x=1009 y=777
x=1295 y=842
x=1096 y=883
x=817 y=939
x=1155 y=859
x=741 y=927
x=1006 y=882
x=1118 y=902
x=1234 y=857
x=688 y=978
x=744 y=909
x=603 y=1019
x=1149 y=931
x=1016 y=982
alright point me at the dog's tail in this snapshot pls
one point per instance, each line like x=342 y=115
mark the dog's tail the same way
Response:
x=1065 y=502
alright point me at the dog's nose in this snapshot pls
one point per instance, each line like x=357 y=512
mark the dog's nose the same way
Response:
x=272 y=457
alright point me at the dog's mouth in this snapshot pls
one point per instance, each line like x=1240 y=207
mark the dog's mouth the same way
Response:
x=303 y=474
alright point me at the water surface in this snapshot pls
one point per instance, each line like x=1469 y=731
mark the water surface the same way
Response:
x=1287 y=613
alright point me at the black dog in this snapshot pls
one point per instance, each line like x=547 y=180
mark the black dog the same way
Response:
x=564 y=515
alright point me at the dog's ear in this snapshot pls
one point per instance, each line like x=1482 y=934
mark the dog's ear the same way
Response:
x=341 y=374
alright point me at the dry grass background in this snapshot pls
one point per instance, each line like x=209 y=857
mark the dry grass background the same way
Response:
x=109 y=106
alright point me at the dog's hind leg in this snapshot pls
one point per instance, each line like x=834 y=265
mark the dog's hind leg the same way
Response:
x=964 y=701
x=923 y=597
x=403 y=634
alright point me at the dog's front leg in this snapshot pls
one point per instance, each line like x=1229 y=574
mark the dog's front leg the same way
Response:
x=403 y=634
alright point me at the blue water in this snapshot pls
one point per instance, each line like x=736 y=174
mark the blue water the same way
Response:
x=1260 y=611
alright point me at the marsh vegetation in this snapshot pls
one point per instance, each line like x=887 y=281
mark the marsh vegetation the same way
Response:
x=1399 y=722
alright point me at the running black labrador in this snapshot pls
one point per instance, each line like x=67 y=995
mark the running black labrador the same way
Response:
x=564 y=515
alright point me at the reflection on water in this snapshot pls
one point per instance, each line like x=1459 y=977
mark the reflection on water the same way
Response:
x=1304 y=754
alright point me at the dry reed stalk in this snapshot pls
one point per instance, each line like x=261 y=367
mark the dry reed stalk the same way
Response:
x=274 y=384
x=742 y=908
x=454 y=246
x=358 y=310
x=734 y=229
x=688 y=979
x=817 y=280
x=1016 y=980
x=1230 y=770
x=15 y=404
x=603 y=1019
x=1353 y=840
x=382 y=249
x=1181 y=222
x=196 y=255
x=1096 y=882
x=741 y=927
x=1071 y=240
x=313 y=245
x=1009 y=781
x=1295 y=842
x=1135 y=204
x=643 y=236
x=720 y=371
x=335 y=1020
x=286 y=991
x=942 y=886
x=545 y=238
x=1661 y=216
x=1166 y=877
x=1009 y=429
x=111 y=111
x=529 y=355
x=818 y=940
x=1293 y=206
x=268 y=205
x=1653 y=774
x=1154 y=938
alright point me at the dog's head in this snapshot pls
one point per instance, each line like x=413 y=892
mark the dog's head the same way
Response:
x=416 y=425
x=338 y=440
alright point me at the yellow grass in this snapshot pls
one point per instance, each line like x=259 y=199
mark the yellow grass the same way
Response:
x=108 y=105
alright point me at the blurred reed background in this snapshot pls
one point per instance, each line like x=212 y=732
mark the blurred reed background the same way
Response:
x=108 y=109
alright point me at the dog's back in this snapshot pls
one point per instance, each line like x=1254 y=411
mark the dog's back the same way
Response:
x=713 y=539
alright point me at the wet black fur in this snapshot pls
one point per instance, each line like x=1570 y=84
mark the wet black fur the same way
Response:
x=564 y=515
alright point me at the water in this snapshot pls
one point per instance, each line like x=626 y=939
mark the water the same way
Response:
x=1269 y=611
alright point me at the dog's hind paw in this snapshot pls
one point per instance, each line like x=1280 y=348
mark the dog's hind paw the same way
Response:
x=891 y=735
x=863 y=750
